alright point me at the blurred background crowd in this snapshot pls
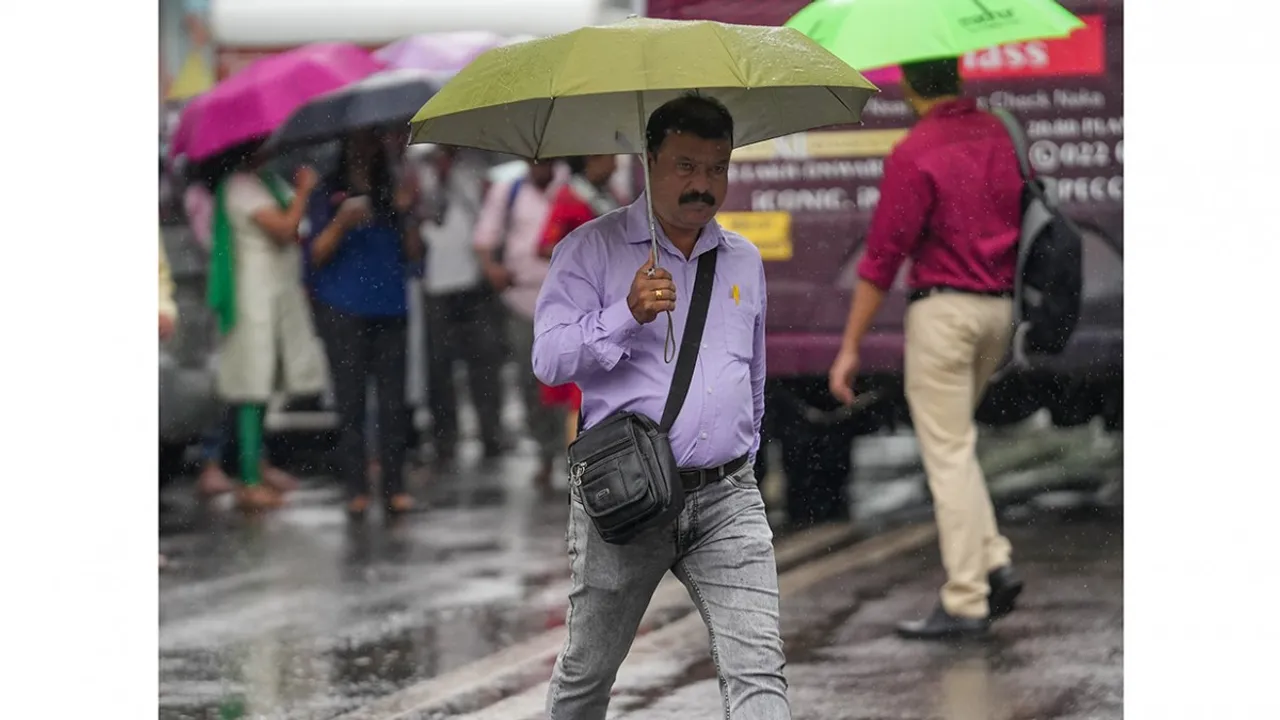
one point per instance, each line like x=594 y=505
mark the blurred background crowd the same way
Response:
x=402 y=311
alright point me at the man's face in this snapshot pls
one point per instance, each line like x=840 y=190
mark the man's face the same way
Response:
x=690 y=177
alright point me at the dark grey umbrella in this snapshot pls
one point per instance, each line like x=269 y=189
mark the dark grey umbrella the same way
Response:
x=385 y=99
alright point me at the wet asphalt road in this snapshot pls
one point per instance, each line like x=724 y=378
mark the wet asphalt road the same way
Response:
x=297 y=615
x=1060 y=656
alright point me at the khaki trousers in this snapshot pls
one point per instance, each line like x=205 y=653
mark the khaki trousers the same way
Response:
x=954 y=343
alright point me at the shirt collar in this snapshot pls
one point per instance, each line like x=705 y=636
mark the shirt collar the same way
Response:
x=638 y=230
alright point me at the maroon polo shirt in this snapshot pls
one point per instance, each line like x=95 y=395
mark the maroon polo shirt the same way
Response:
x=950 y=201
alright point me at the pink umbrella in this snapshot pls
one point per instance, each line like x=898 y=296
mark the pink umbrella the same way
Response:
x=441 y=52
x=256 y=100
x=180 y=141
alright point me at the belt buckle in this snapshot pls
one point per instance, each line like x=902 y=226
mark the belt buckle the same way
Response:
x=702 y=481
x=706 y=475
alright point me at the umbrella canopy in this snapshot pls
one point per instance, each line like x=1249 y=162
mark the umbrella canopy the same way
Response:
x=387 y=98
x=871 y=34
x=439 y=52
x=589 y=91
x=184 y=128
x=255 y=101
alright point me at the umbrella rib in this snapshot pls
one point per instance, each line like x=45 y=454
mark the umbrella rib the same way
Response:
x=537 y=149
x=842 y=102
x=732 y=64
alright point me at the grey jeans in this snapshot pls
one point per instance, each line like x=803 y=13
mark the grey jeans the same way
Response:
x=721 y=548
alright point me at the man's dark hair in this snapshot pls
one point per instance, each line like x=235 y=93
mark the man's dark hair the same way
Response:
x=705 y=117
x=933 y=78
x=577 y=164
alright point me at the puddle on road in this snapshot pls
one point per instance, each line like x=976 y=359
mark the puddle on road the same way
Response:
x=300 y=617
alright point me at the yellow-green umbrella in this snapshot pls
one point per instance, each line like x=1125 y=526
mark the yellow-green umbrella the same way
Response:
x=589 y=91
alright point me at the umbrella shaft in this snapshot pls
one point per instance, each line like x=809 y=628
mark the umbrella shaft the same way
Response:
x=669 y=344
x=648 y=195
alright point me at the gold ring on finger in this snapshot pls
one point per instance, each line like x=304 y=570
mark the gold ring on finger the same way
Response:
x=657 y=294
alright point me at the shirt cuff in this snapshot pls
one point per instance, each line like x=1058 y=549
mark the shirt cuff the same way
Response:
x=617 y=326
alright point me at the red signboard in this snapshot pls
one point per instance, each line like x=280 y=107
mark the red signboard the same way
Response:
x=1083 y=52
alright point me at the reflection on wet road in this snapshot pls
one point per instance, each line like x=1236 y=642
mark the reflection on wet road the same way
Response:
x=296 y=615
x=300 y=614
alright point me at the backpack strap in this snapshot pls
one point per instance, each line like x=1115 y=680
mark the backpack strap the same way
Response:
x=500 y=251
x=1022 y=148
x=511 y=199
x=1019 y=136
x=1017 y=358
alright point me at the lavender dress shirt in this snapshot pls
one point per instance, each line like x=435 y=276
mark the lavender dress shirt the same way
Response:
x=585 y=334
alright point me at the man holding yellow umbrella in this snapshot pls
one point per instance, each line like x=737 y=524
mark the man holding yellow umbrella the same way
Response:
x=648 y=497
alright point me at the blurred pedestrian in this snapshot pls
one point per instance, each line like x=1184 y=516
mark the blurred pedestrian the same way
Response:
x=595 y=328
x=168 y=317
x=362 y=243
x=168 y=308
x=463 y=315
x=256 y=291
x=951 y=201
x=506 y=241
x=219 y=448
x=586 y=196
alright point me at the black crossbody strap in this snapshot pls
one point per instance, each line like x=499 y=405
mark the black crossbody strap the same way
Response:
x=692 y=338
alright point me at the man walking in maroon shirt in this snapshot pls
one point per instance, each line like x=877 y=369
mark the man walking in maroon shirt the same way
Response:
x=951 y=202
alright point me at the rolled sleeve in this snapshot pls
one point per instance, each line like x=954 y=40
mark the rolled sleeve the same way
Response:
x=613 y=335
x=574 y=335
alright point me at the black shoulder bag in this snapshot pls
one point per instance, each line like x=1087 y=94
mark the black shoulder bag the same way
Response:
x=623 y=468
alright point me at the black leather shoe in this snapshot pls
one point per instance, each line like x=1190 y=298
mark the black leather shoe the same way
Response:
x=943 y=626
x=1005 y=588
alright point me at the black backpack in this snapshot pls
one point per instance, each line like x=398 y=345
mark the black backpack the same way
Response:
x=1049 y=280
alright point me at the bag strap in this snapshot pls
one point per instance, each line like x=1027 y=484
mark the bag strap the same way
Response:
x=692 y=339
x=1022 y=148
x=512 y=194
x=1021 y=145
x=1016 y=358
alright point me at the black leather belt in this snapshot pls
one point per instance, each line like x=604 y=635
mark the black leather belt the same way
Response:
x=694 y=480
x=941 y=289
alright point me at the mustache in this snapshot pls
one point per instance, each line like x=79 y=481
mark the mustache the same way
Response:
x=695 y=196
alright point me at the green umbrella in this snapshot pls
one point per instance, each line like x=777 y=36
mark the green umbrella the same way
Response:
x=871 y=34
x=589 y=91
